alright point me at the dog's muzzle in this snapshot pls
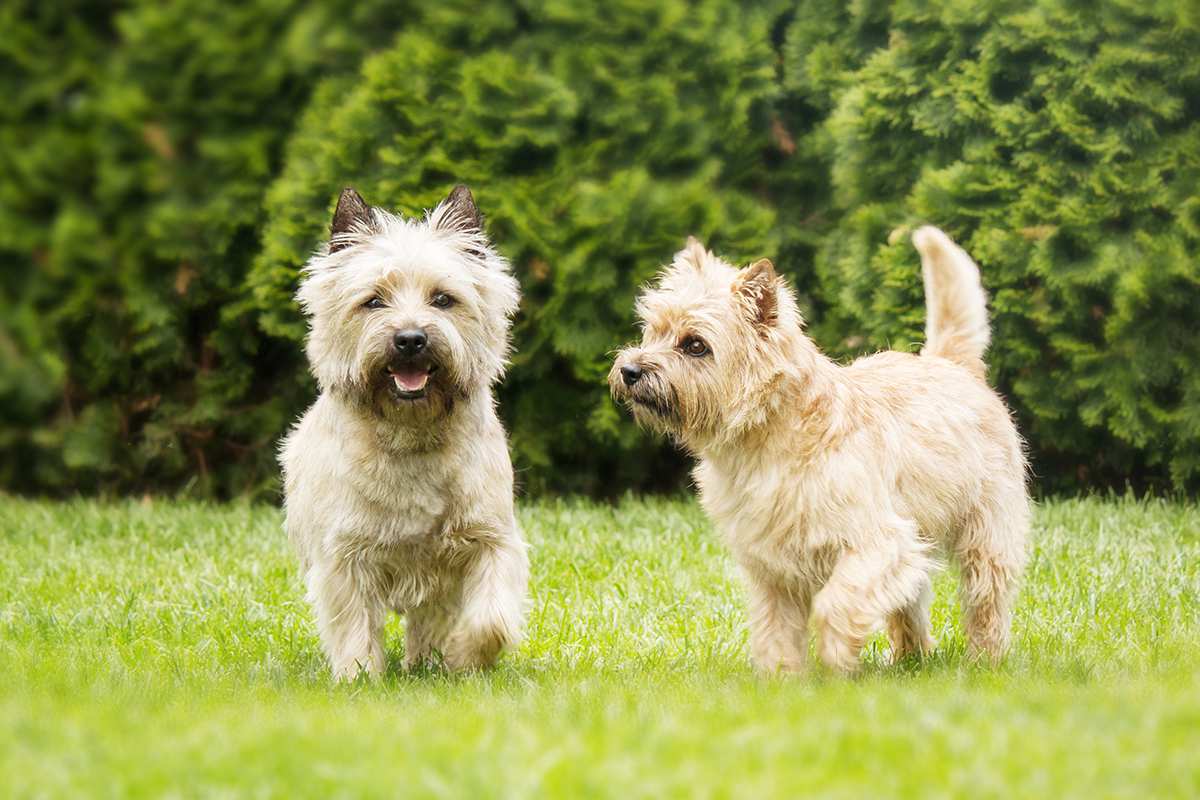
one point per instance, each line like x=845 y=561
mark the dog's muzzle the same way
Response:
x=411 y=366
x=642 y=390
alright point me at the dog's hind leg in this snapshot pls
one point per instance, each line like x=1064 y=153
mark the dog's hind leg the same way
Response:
x=991 y=553
x=865 y=588
x=492 y=614
x=909 y=627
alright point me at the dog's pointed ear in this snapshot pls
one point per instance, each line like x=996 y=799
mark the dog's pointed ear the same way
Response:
x=458 y=212
x=352 y=213
x=693 y=253
x=757 y=288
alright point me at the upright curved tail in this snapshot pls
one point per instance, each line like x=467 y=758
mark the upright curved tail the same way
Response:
x=956 y=322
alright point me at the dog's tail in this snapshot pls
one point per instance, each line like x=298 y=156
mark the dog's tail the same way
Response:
x=956 y=321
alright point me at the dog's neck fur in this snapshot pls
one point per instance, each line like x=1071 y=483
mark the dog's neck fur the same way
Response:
x=803 y=399
x=421 y=434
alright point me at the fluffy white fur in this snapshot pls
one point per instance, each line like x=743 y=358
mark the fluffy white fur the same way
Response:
x=406 y=505
x=835 y=486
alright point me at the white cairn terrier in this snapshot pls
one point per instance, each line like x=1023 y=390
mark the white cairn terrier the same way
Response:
x=399 y=488
x=833 y=484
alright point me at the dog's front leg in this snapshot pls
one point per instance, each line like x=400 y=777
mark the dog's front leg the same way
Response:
x=349 y=617
x=778 y=625
x=866 y=586
x=492 y=614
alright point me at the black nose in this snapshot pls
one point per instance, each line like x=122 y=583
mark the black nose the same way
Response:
x=631 y=374
x=410 y=342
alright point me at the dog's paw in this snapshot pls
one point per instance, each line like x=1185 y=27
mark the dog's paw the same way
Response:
x=838 y=651
x=840 y=655
x=347 y=669
x=348 y=673
x=778 y=666
x=474 y=648
x=907 y=642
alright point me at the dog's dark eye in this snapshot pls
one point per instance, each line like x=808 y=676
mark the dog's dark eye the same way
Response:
x=442 y=300
x=373 y=303
x=694 y=346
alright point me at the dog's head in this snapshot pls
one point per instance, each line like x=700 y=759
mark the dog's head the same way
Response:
x=408 y=315
x=711 y=346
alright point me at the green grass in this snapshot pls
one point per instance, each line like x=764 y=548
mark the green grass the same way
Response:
x=165 y=649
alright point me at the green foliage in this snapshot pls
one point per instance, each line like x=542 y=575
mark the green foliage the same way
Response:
x=165 y=169
x=1060 y=143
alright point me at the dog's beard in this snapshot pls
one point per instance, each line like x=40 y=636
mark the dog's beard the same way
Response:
x=653 y=411
x=653 y=405
x=657 y=405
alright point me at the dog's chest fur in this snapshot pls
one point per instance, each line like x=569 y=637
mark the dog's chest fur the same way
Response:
x=397 y=526
x=403 y=518
x=762 y=509
x=402 y=498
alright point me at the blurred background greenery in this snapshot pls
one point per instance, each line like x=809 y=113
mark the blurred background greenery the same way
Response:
x=166 y=168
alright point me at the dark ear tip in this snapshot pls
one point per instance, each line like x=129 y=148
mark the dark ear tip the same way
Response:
x=763 y=266
x=465 y=212
x=351 y=210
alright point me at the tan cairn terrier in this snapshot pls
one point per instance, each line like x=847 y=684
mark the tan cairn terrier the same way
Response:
x=836 y=486
x=399 y=489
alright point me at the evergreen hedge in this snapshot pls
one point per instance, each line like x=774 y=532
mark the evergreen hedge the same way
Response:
x=165 y=168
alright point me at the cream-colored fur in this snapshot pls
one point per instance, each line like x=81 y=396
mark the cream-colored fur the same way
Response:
x=836 y=486
x=398 y=504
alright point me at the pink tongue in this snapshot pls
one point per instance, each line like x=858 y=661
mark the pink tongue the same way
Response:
x=410 y=379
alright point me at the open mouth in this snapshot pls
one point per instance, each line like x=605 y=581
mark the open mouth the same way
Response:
x=409 y=380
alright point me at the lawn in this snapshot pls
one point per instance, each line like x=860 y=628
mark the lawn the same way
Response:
x=164 y=648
